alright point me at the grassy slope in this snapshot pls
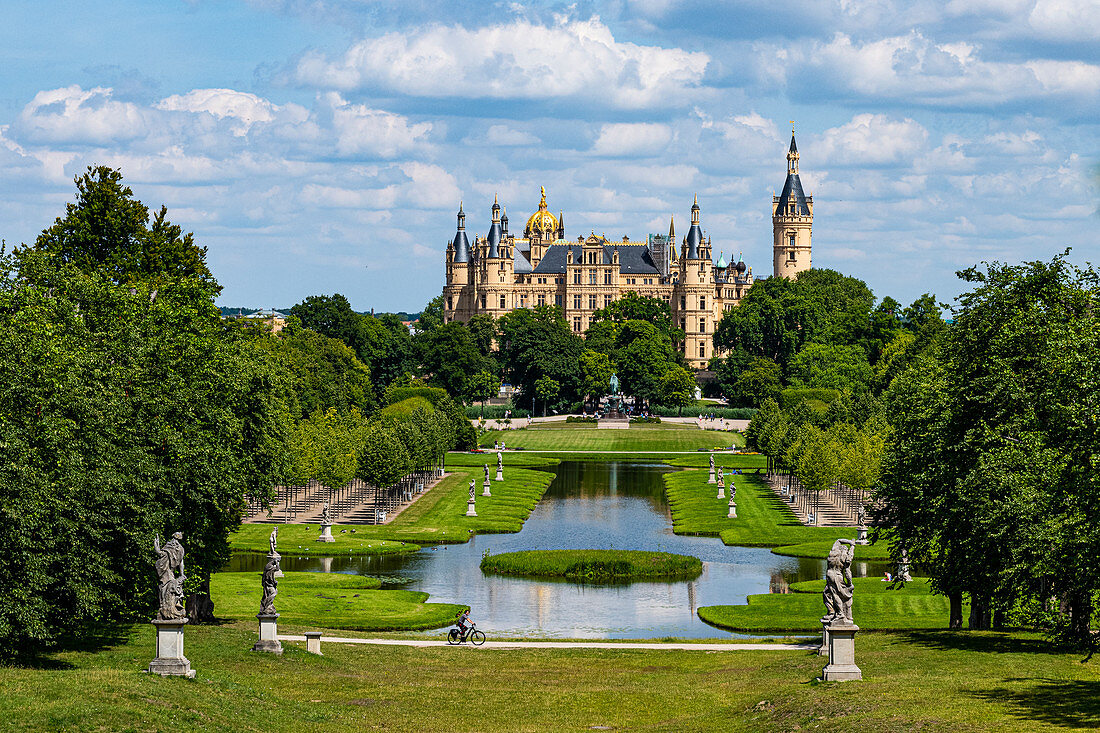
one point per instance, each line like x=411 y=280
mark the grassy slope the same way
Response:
x=875 y=606
x=914 y=681
x=331 y=600
x=763 y=520
x=620 y=564
x=437 y=516
x=586 y=437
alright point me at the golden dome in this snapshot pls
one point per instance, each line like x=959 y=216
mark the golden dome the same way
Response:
x=542 y=221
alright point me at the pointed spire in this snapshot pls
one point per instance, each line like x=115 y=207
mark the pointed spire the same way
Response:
x=561 y=224
x=792 y=157
x=504 y=221
x=694 y=238
x=461 y=244
x=461 y=217
x=672 y=228
x=721 y=265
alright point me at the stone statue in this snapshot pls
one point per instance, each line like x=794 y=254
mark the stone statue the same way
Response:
x=273 y=538
x=862 y=516
x=169 y=585
x=486 y=473
x=325 y=519
x=500 y=461
x=838 y=582
x=471 y=490
x=721 y=481
x=614 y=384
x=712 y=463
x=270 y=585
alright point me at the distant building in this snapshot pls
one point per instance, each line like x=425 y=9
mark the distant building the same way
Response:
x=502 y=271
x=273 y=319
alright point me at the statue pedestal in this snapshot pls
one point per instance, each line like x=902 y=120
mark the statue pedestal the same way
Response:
x=721 y=492
x=823 y=650
x=326 y=534
x=710 y=479
x=842 y=653
x=313 y=642
x=485 y=488
x=733 y=509
x=500 y=474
x=170 y=661
x=862 y=539
x=470 y=510
x=269 y=638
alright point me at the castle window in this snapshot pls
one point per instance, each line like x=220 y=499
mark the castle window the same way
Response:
x=683 y=324
x=702 y=302
x=558 y=300
x=542 y=299
x=577 y=277
x=591 y=277
x=450 y=303
x=607 y=278
x=790 y=255
x=577 y=324
x=683 y=302
x=591 y=302
x=702 y=325
x=607 y=301
x=738 y=292
x=576 y=302
x=702 y=351
x=483 y=301
x=790 y=239
x=503 y=302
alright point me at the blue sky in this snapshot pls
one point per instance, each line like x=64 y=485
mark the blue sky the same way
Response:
x=320 y=146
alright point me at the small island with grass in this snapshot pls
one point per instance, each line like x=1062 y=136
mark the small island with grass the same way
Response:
x=594 y=566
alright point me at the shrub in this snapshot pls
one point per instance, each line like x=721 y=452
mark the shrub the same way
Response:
x=729 y=413
x=789 y=398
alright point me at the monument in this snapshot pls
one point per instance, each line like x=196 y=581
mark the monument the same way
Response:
x=500 y=466
x=271 y=541
x=268 y=616
x=171 y=614
x=485 y=485
x=862 y=525
x=721 y=487
x=732 y=514
x=710 y=479
x=903 y=567
x=839 y=631
x=471 y=510
x=326 y=525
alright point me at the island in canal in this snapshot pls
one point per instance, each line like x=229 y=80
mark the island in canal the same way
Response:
x=594 y=566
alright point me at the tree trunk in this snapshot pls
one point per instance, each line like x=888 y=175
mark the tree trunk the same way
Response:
x=1080 y=617
x=200 y=607
x=979 y=613
x=955 y=620
x=998 y=620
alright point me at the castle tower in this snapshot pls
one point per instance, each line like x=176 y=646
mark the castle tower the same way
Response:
x=792 y=223
x=693 y=294
x=457 y=299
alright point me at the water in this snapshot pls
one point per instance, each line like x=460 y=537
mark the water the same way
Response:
x=588 y=506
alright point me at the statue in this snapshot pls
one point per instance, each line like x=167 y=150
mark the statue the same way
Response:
x=614 y=384
x=169 y=585
x=838 y=582
x=486 y=473
x=270 y=585
x=471 y=491
x=500 y=462
x=862 y=516
x=271 y=540
x=324 y=516
x=712 y=463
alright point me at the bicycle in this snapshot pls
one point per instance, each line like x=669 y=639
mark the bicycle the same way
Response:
x=475 y=637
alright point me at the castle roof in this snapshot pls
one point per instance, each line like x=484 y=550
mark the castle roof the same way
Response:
x=792 y=193
x=634 y=259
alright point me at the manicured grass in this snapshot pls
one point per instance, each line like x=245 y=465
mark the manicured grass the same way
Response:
x=875 y=606
x=585 y=437
x=301 y=540
x=927 y=681
x=521 y=460
x=331 y=600
x=727 y=461
x=763 y=520
x=438 y=516
x=593 y=565
x=879 y=551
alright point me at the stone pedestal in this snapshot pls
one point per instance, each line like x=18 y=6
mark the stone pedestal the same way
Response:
x=710 y=479
x=842 y=653
x=862 y=539
x=170 y=661
x=326 y=534
x=732 y=514
x=500 y=473
x=269 y=637
x=313 y=642
x=471 y=511
x=485 y=488
x=721 y=492
x=823 y=650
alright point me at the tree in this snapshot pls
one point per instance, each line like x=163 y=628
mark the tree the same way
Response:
x=596 y=371
x=481 y=387
x=645 y=354
x=822 y=366
x=546 y=389
x=634 y=307
x=483 y=330
x=760 y=381
x=537 y=342
x=678 y=388
x=107 y=230
x=451 y=358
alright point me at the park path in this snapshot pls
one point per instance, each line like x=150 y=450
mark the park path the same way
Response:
x=723 y=647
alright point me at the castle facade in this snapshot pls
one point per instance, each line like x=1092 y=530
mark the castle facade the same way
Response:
x=502 y=271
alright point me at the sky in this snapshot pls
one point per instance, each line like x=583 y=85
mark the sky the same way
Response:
x=324 y=146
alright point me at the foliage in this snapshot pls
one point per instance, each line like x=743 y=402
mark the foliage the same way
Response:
x=678 y=387
x=546 y=389
x=596 y=371
x=634 y=307
x=593 y=565
x=535 y=343
x=727 y=413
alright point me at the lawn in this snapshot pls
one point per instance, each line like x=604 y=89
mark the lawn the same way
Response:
x=931 y=681
x=438 y=516
x=875 y=606
x=593 y=565
x=763 y=519
x=331 y=600
x=587 y=437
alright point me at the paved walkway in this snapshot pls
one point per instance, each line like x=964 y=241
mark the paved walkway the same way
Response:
x=730 y=647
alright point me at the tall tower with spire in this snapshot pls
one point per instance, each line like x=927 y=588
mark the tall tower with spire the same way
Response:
x=792 y=223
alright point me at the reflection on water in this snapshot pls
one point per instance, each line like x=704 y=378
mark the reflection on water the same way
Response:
x=589 y=505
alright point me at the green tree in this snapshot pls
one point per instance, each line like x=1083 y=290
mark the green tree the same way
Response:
x=822 y=366
x=546 y=389
x=481 y=387
x=678 y=388
x=634 y=307
x=596 y=371
x=760 y=381
x=537 y=342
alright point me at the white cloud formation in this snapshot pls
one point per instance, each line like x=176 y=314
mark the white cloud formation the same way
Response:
x=360 y=130
x=1066 y=20
x=75 y=116
x=503 y=136
x=871 y=139
x=242 y=107
x=518 y=60
x=632 y=139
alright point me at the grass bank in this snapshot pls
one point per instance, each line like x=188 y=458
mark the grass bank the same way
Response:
x=947 y=682
x=438 y=516
x=331 y=600
x=593 y=565
x=763 y=519
x=587 y=437
x=876 y=606
x=879 y=552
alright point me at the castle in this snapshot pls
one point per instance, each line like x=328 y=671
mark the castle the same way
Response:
x=501 y=271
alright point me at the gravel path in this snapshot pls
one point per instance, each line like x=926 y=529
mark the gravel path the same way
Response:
x=728 y=647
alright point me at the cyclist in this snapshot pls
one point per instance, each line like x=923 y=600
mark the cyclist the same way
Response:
x=464 y=622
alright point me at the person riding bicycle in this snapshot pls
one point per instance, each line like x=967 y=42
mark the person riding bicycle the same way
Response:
x=464 y=623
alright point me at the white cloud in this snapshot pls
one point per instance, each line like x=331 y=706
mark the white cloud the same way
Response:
x=632 y=139
x=870 y=139
x=503 y=136
x=1075 y=20
x=243 y=107
x=518 y=60
x=360 y=130
x=72 y=115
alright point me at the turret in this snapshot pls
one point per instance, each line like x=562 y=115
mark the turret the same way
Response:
x=694 y=239
x=792 y=222
x=495 y=232
x=461 y=244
